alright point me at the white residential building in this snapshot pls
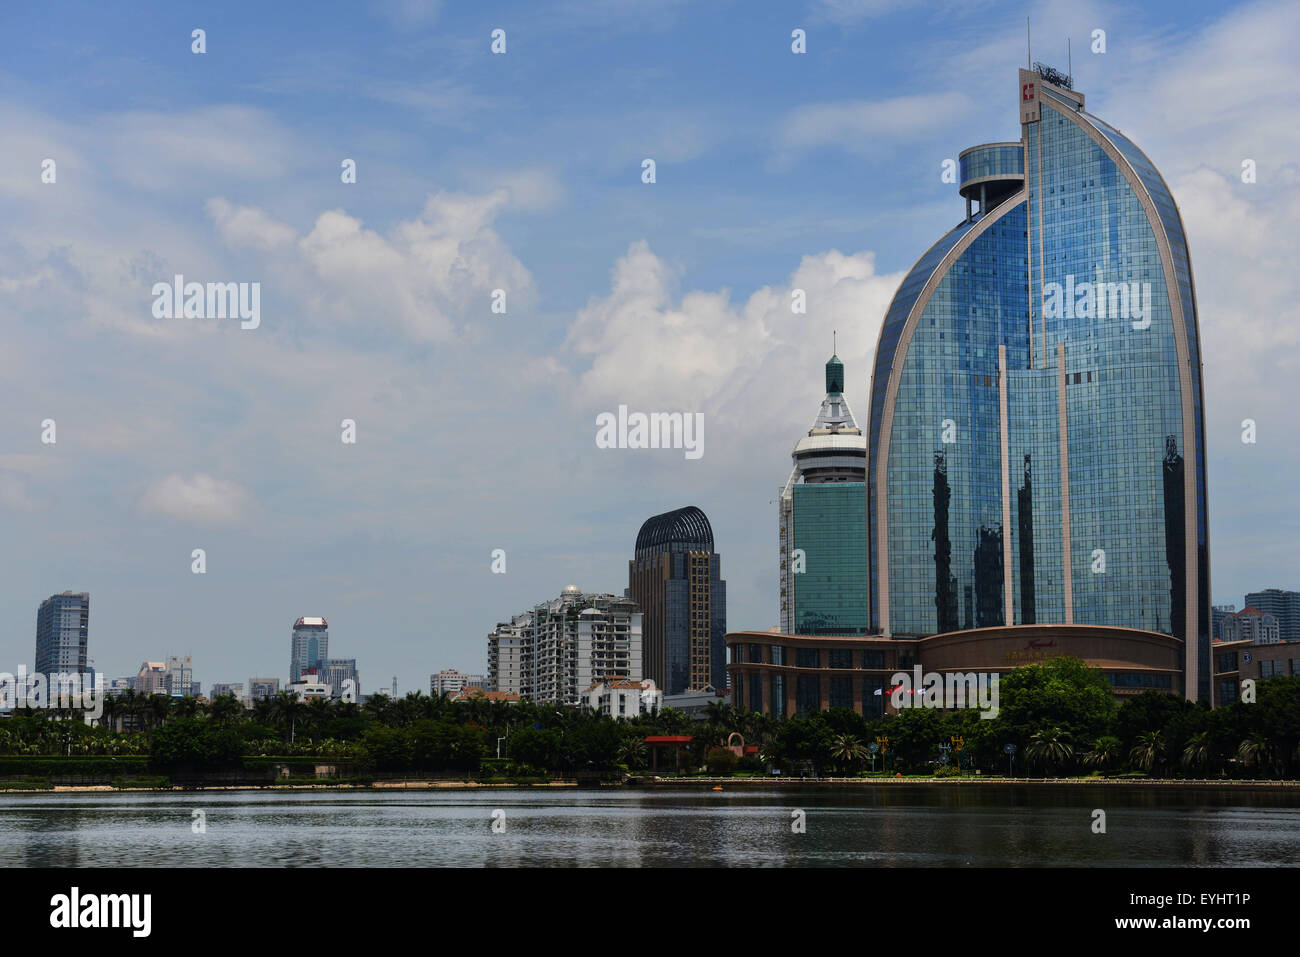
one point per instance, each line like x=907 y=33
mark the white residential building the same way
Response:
x=623 y=699
x=449 y=681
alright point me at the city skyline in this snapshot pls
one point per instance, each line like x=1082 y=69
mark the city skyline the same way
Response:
x=176 y=435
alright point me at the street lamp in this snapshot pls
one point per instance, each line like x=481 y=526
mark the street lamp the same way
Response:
x=1010 y=750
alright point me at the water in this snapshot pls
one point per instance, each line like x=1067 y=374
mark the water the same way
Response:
x=889 y=826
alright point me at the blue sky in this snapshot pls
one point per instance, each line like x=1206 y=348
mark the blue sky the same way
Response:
x=523 y=171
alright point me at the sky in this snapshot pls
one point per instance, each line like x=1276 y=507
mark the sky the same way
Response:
x=522 y=171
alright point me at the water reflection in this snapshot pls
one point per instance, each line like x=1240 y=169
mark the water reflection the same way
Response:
x=891 y=826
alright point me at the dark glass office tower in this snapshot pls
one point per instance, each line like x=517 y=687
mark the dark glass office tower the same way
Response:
x=62 y=634
x=676 y=579
x=1036 y=450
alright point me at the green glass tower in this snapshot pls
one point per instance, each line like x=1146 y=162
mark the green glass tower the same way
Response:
x=823 y=521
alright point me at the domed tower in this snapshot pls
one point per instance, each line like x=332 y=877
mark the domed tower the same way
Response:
x=823 y=521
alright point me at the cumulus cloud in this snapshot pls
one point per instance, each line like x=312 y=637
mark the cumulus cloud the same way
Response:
x=426 y=274
x=198 y=498
x=745 y=363
x=248 y=226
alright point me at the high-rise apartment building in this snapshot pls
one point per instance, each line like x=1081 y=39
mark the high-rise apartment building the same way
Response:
x=308 y=646
x=823 y=523
x=62 y=633
x=1217 y=614
x=1251 y=624
x=675 y=577
x=1036 y=447
x=557 y=651
x=235 y=689
x=1281 y=604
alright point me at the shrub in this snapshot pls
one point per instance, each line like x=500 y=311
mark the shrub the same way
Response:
x=722 y=761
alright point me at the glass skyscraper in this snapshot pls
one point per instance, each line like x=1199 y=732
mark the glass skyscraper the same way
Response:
x=1036 y=443
x=309 y=645
x=823 y=523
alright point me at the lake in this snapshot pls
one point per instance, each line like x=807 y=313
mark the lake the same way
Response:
x=893 y=825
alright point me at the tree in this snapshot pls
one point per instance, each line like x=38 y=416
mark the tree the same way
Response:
x=1105 y=753
x=1051 y=749
x=1149 y=751
x=722 y=761
x=848 y=751
x=194 y=743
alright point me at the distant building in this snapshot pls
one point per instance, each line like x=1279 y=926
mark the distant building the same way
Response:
x=623 y=698
x=1251 y=624
x=472 y=692
x=342 y=677
x=510 y=654
x=694 y=704
x=1217 y=614
x=308 y=646
x=62 y=634
x=675 y=577
x=151 y=678
x=309 y=688
x=450 y=680
x=1281 y=604
x=180 y=677
x=234 y=689
x=259 y=688
x=823 y=523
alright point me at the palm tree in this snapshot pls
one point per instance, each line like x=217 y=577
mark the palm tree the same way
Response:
x=633 y=752
x=1105 y=752
x=1052 y=749
x=226 y=709
x=848 y=750
x=1199 y=752
x=1257 y=751
x=1149 y=751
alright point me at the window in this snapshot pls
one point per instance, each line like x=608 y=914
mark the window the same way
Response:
x=841 y=692
x=778 y=654
x=873 y=659
x=808 y=695
x=873 y=704
x=778 y=696
x=755 y=692
x=756 y=654
x=807 y=658
x=841 y=658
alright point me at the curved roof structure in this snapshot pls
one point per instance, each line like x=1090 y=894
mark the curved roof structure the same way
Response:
x=683 y=526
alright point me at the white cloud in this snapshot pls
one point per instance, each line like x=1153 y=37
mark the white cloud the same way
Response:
x=753 y=366
x=248 y=226
x=198 y=498
x=427 y=276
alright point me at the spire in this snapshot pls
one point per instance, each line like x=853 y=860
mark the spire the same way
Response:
x=834 y=372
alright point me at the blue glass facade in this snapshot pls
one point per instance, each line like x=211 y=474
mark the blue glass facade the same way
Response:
x=829 y=527
x=1035 y=439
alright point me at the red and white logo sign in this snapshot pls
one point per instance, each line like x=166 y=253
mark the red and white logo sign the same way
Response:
x=1027 y=91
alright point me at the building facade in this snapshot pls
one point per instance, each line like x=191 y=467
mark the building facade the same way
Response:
x=233 y=688
x=557 y=651
x=675 y=577
x=784 y=675
x=623 y=699
x=180 y=676
x=449 y=681
x=63 y=634
x=151 y=678
x=1217 y=614
x=309 y=644
x=823 y=523
x=1035 y=443
x=510 y=655
x=259 y=688
x=1281 y=604
x=342 y=676
x=1251 y=624
x=1237 y=661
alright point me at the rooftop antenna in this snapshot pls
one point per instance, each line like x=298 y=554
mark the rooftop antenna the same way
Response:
x=1029 y=57
x=833 y=342
x=1069 y=61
